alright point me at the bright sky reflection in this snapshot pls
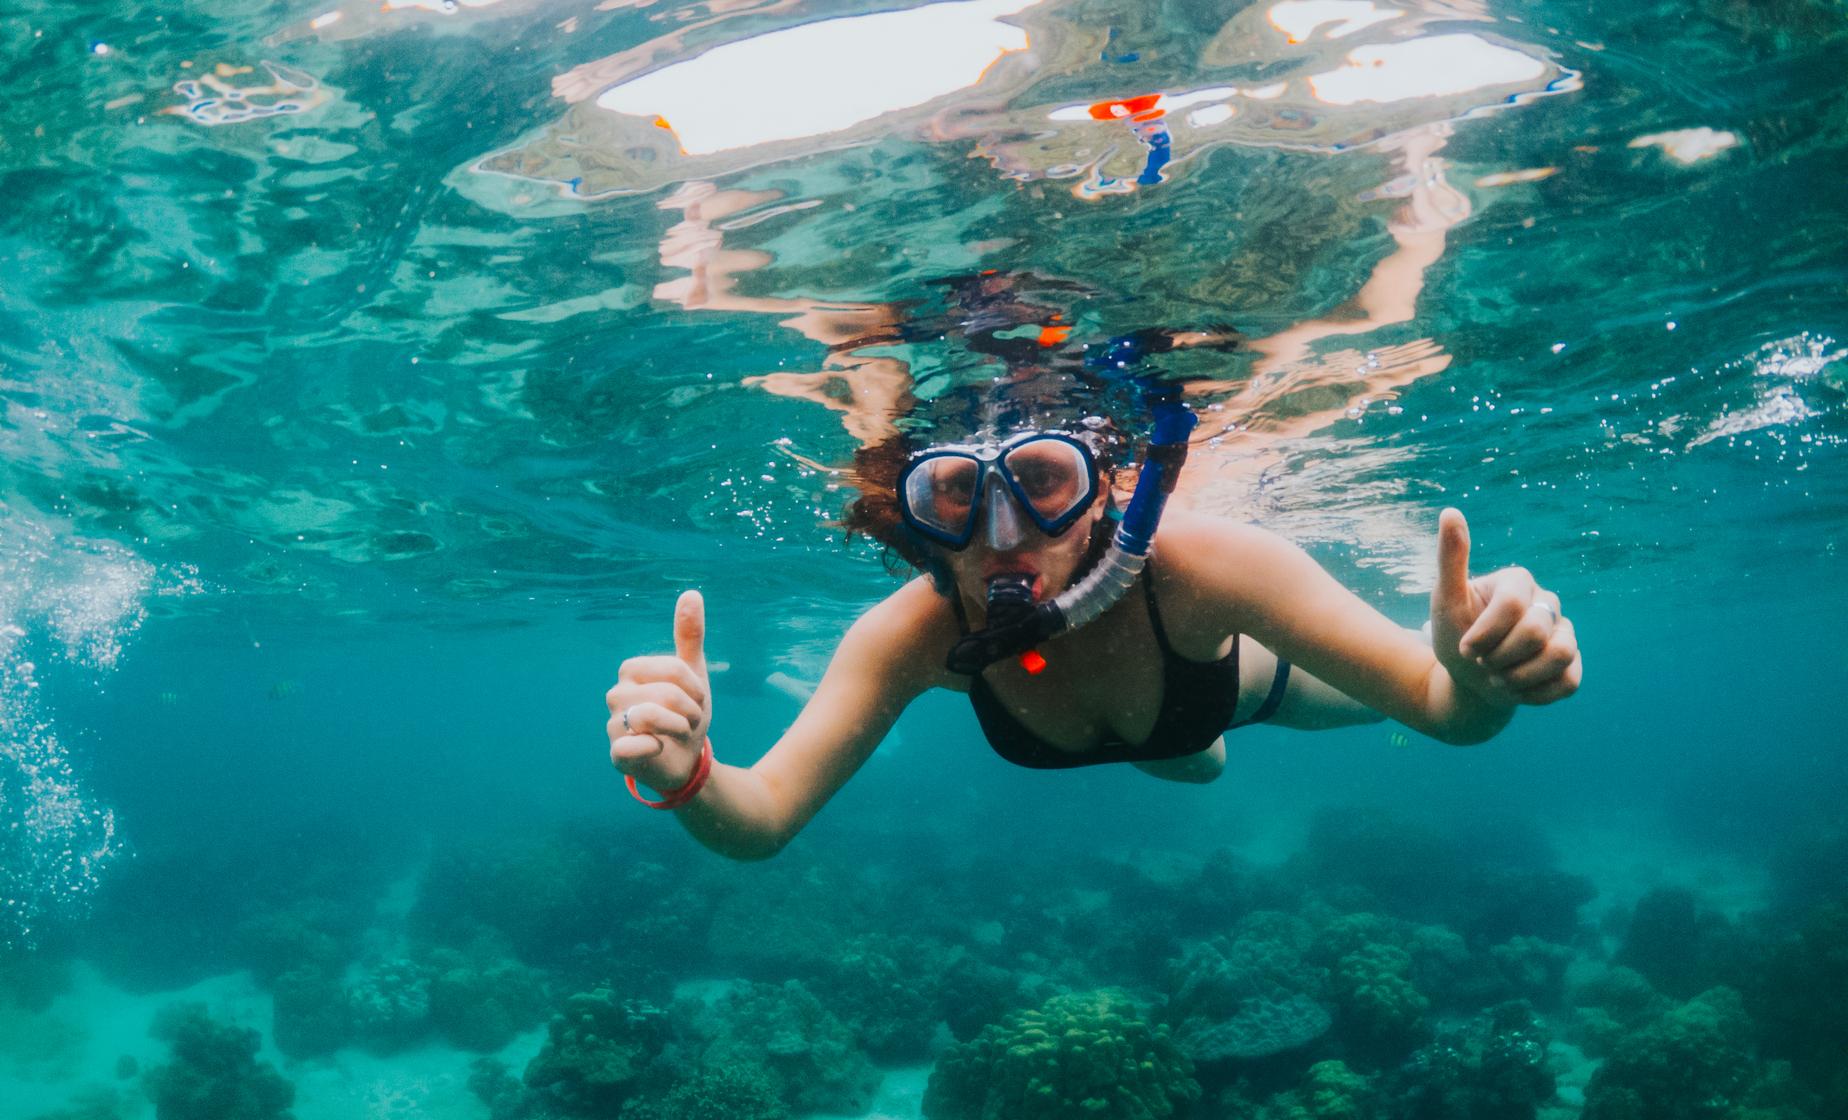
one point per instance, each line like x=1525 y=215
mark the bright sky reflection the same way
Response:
x=822 y=77
x=1299 y=18
x=1439 y=66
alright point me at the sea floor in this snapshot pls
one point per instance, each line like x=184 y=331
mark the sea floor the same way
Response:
x=85 y=1052
x=83 y=1055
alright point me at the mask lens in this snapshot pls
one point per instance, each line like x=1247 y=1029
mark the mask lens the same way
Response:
x=1051 y=476
x=940 y=492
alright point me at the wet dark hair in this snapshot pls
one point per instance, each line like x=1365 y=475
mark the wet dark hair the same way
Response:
x=874 y=513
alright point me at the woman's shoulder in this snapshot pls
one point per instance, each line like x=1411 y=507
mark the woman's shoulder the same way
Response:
x=1193 y=545
x=1211 y=567
x=914 y=626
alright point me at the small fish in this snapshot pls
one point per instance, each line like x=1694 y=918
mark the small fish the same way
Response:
x=282 y=690
x=1399 y=739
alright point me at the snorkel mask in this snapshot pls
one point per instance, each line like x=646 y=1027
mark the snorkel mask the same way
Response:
x=944 y=491
x=1046 y=478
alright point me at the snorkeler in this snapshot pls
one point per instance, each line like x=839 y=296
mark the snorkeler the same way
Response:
x=1025 y=605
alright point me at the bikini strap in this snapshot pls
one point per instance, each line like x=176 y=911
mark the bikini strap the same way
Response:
x=1148 y=593
x=1280 y=682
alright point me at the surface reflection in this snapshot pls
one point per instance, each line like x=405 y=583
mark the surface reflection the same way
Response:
x=1302 y=75
x=1028 y=333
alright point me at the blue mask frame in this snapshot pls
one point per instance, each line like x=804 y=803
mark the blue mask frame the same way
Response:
x=992 y=458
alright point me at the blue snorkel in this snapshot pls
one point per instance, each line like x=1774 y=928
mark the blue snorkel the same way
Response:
x=1016 y=624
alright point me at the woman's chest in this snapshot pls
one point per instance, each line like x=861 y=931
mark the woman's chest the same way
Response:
x=1083 y=698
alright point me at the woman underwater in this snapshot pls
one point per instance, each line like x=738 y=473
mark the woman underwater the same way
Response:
x=1220 y=624
x=1083 y=636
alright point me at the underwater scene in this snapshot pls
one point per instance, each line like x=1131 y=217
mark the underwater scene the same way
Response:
x=375 y=378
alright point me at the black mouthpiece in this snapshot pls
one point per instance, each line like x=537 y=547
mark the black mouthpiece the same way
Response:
x=1015 y=625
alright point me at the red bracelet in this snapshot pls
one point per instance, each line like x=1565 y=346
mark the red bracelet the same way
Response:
x=675 y=798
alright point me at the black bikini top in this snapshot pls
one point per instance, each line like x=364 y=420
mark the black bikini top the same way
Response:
x=1198 y=699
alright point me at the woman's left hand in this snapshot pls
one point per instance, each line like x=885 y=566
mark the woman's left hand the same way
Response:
x=1501 y=635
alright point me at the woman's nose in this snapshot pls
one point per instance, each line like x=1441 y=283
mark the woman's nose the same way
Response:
x=1005 y=529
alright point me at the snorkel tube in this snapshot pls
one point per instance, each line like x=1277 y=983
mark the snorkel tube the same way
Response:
x=1016 y=624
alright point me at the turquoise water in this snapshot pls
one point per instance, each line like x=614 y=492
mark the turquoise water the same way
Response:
x=374 y=378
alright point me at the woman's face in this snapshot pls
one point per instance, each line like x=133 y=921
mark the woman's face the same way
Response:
x=1051 y=563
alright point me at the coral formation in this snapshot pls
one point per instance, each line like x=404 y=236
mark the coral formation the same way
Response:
x=1609 y=1003
x=975 y=993
x=563 y=900
x=213 y=1072
x=388 y=1008
x=596 y=1050
x=1679 y=947
x=1249 y=994
x=310 y=1012
x=1533 y=969
x=1799 y=998
x=479 y=1000
x=1380 y=1014
x=807 y=1051
x=887 y=989
x=1329 y=1091
x=1692 y=1063
x=1493 y=1068
x=1089 y=1054
x=735 y=1092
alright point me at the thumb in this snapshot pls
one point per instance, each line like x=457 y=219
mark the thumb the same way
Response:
x=690 y=630
x=1452 y=559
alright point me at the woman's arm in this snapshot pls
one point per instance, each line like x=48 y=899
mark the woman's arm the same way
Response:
x=751 y=812
x=1254 y=582
x=1308 y=703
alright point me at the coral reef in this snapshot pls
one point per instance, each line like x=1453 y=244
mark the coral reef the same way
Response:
x=213 y=1072
x=1609 y=1003
x=1329 y=1091
x=174 y=916
x=1799 y=998
x=1390 y=970
x=974 y=993
x=1489 y=883
x=739 y=1092
x=887 y=989
x=1692 y=1063
x=1493 y=1068
x=565 y=900
x=596 y=1050
x=1248 y=994
x=1380 y=1014
x=504 y=1095
x=310 y=1012
x=1679 y=947
x=1533 y=969
x=388 y=1008
x=479 y=1000
x=808 y=1052
x=778 y=922
x=1090 y=1054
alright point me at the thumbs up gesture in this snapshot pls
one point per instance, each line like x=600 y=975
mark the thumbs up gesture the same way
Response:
x=661 y=705
x=1500 y=635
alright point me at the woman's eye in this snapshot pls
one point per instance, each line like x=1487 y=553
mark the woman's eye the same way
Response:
x=1036 y=480
x=953 y=489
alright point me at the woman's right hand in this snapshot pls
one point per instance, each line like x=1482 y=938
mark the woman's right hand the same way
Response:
x=668 y=701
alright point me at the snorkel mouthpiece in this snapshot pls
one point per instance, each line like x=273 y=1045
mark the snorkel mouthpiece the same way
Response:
x=1015 y=625
x=1010 y=599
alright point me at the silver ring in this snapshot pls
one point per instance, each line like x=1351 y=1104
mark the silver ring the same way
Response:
x=1548 y=608
x=625 y=720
